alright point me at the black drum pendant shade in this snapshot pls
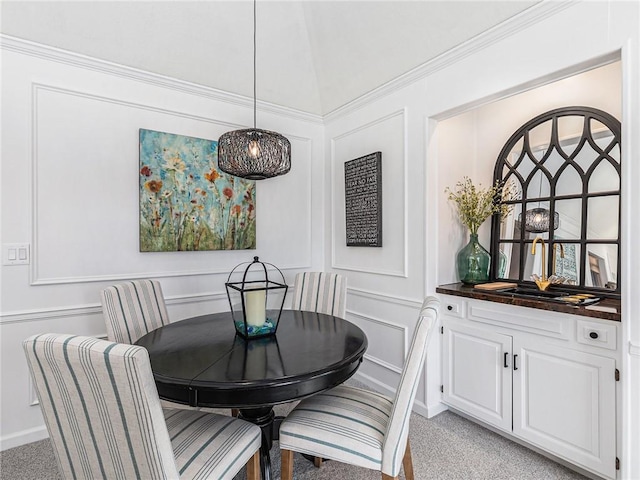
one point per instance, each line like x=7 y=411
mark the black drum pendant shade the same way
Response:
x=538 y=220
x=252 y=153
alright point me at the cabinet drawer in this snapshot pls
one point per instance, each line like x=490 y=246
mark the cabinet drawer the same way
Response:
x=597 y=334
x=453 y=307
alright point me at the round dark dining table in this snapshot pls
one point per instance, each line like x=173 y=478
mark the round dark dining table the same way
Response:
x=201 y=362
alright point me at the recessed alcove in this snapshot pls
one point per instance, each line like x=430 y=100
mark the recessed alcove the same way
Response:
x=468 y=143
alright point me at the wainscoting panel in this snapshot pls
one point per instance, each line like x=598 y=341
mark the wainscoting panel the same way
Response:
x=81 y=176
x=387 y=135
x=203 y=302
x=388 y=341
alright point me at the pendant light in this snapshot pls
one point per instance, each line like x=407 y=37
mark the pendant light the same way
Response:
x=538 y=220
x=253 y=153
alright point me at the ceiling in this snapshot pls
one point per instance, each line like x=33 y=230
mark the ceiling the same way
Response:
x=313 y=55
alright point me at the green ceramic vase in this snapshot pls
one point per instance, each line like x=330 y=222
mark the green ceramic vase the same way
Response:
x=473 y=262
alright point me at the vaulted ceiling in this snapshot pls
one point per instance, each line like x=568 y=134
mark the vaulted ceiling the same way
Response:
x=312 y=55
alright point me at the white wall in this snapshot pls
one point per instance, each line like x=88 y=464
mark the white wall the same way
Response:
x=434 y=146
x=70 y=190
x=386 y=284
x=421 y=155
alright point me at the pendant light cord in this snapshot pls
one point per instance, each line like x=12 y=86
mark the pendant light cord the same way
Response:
x=254 y=66
x=254 y=154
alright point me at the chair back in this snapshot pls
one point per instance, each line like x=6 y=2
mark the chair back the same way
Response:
x=320 y=292
x=395 y=439
x=133 y=309
x=101 y=408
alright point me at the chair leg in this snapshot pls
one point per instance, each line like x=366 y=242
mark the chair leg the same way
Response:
x=253 y=467
x=235 y=412
x=286 y=464
x=407 y=463
x=317 y=461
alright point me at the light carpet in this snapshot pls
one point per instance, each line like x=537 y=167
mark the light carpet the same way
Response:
x=444 y=447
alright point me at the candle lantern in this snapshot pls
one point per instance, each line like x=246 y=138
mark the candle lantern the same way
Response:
x=256 y=300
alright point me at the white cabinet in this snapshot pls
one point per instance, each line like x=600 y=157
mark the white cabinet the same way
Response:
x=565 y=402
x=475 y=379
x=536 y=378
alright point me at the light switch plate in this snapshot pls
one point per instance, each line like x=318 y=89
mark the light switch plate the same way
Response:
x=16 y=254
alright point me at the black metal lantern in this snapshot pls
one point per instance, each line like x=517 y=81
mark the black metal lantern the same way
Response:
x=256 y=300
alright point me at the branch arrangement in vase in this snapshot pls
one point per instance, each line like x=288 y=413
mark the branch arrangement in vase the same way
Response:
x=476 y=204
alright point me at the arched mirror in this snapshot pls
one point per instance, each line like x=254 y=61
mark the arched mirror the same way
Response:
x=564 y=167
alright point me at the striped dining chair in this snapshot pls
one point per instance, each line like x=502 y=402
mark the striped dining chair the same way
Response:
x=104 y=418
x=133 y=309
x=320 y=292
x=357 y=426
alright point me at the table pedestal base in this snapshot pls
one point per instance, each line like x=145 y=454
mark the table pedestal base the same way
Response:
x=264 y=418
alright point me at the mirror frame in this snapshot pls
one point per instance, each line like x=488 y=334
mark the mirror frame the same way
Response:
x=504 y=164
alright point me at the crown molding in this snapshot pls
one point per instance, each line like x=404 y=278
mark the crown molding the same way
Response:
x=53 y=54
x=515 y=24
x=533 y=15
x=403 y=270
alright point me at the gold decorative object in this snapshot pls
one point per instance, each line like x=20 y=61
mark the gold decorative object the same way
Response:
x=542 y=282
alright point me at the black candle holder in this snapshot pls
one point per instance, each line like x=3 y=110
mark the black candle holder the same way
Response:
x=256 y=300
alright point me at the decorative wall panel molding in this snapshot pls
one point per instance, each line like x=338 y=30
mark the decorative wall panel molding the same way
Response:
x=96 y=309
x=401 y=330
x=383 y=364
x=387 y=134
x=371 y=381
x=50 y=313
x=65 y=57
x=384 y=297
x=54 y=111
x=419 y=406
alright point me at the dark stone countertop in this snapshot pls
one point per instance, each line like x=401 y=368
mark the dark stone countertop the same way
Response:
x=606 y=309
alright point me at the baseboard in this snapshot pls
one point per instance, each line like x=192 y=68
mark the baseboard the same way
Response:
x=438 y=408
x=420 y=408
x=23 y=437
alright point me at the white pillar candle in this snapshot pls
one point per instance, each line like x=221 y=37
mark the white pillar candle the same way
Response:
x=255 y=307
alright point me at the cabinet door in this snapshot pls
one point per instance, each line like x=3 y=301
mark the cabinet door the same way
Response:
x=564 y=402
x=477 y=378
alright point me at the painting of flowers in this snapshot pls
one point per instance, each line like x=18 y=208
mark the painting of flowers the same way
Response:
x=186 y=203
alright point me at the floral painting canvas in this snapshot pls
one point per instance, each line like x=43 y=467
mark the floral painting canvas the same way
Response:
x=186 y=203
